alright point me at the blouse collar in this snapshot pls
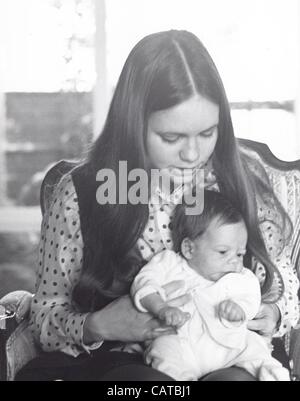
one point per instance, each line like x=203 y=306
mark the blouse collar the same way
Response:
x=161 y=199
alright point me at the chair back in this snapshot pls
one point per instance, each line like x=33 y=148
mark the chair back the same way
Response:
x=51 y=179
x=284 y=177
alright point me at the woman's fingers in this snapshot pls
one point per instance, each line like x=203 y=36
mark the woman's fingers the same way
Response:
x=256 y=324
x=265 y=321
x=152 y=335
x=262 y=325
x=121 y=321
x=157 y=329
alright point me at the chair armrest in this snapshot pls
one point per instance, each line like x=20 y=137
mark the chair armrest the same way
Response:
x=17 y=302
x=20 y=349
x=17 y=346
x=294 y=352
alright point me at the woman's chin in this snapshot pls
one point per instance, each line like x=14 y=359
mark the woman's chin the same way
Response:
x=175 y=177
x=181 y=179
x=179 y=176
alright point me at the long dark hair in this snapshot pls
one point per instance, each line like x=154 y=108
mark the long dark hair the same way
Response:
x=164 y=69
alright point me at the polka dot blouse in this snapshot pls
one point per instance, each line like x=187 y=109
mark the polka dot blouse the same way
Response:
x=54 y=321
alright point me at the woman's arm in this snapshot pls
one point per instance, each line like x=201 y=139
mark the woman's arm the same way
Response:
x=288 y=305
x=280 y=317
x=121 y=321
x=54 y=321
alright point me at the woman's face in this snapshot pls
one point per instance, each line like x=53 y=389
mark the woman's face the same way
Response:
x=182 y=137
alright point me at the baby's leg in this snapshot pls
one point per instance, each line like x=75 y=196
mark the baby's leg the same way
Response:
x=170 y=355
x=258 y=361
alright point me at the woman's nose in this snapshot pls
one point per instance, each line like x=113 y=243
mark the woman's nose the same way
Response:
x=190 y=151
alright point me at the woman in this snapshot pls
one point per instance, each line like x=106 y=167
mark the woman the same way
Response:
x=169 y=112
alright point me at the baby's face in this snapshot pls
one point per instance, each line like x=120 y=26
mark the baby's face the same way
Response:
x=219 y=250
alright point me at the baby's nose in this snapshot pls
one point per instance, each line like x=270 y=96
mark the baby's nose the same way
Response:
x=236 y=265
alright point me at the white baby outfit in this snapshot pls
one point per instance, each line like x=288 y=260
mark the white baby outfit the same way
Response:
x=205 y=343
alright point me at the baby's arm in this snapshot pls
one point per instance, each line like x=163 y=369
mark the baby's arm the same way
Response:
x=148 y=289
x=172 y=316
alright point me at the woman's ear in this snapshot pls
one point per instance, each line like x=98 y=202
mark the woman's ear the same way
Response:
x=187 y=248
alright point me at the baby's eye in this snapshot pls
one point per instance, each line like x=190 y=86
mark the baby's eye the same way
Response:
x=222 y=252
x=241 y=254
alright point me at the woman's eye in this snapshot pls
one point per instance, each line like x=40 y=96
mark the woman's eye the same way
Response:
x=207 y=134
x=170 y=139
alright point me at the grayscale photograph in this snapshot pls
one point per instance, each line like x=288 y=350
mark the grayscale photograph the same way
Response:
x=149 y=193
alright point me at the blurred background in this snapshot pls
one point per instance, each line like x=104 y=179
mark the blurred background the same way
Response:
x=59 y=63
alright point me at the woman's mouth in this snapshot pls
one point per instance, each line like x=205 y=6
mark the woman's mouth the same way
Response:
x=184 y=172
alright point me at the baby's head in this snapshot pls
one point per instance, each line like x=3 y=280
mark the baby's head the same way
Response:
x=213 y=242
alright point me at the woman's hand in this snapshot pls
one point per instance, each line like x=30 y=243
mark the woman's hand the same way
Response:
x=121 y=321
x=265 y=322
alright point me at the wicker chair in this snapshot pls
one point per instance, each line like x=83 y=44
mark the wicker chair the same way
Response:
x=17 y=345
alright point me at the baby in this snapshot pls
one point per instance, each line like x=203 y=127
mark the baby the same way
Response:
x=212 y=328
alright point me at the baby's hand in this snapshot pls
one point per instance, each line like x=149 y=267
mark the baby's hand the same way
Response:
x=173 y=316
x=231 y=311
